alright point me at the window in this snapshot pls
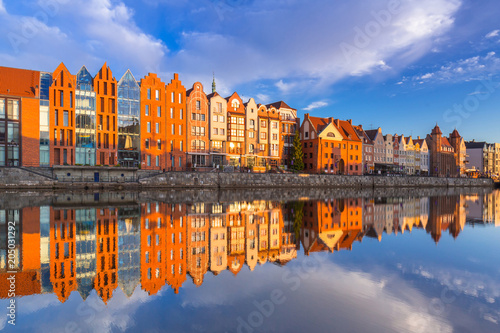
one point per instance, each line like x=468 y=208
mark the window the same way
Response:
x=219 y=107
x=70 y=99
x=149 y=93
x=263 y=135
x=158 y=111
x=198 y=105
x=214 y=118
x=171 y=113
x=216 y=131
x=181 y=114
x=173 y=129
x=157 y=95
x=146 y=143
x=275 y=136
x=149 y=127
x=157 y=160
x=61 y=98
x=149 y=160
x=146 y=110
x=2 y=108
x=221 y=119
x=180 y=98
x=65 y=118
x=251 y=135
x=172 y=97
x=158 y=144
x=180 y=129
x=274 y=124
x=252 y=124
x=157 y=127
x=221 y=132
x=263 y=124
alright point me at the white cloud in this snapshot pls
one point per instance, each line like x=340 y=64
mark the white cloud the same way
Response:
x=2 y=7
x=79 y=33
x=242 y=50
x=263 y=98
x=469 y=69
x=316 y=105
x=492 y=34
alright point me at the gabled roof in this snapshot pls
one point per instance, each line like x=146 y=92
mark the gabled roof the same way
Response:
x=348 y=131
x=212 y=95
x=372 y=134
x=279 y=105
x=362 y=134
x=319 y=123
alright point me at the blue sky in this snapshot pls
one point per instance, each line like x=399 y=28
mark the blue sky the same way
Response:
x=400 y=64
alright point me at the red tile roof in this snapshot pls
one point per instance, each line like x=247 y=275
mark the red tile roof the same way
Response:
x=348 y=131
x=19 y=82
x=319 y=123
x=445 y=142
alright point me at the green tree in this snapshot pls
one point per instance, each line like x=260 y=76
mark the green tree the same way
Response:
x=298 y=211
x=297 y=154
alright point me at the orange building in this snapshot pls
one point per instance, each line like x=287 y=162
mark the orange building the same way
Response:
x=62 y=115
x=236 y=237
x=235 y=130
x=153 y=247
x=176 y=256
x=331 y=225
x=19 y=117
x=197 y=126
x=106 y=278
x=198 y=242
x=62 y=252
x=153 y=123
x=176 y=124
x=27 y=252
x=105 y=87
x=289 y=124
x=322 y=145
x=331 y=146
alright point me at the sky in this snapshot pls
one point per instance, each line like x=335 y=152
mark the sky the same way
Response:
x=402 y=65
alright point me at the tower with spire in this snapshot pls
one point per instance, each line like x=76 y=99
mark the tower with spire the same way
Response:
x=213 y=83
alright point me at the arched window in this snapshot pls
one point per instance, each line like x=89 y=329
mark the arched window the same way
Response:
x=251 y=149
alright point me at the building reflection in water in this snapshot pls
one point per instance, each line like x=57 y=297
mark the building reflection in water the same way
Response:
x=62 y=249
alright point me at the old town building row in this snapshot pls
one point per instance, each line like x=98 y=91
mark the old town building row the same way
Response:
x=62 y=250
x=57 y=118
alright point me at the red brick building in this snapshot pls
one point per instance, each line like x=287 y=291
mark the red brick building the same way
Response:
x=19 y=117
x=197 y=127
x=62 y=115
x=153 y=123
x=175 y=97
x=105 y=87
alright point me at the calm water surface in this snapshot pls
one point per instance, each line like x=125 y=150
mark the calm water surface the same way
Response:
x=139 y=262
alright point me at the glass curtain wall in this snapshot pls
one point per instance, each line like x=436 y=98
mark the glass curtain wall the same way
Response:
x=85 y=111
x=45 y=83
x=129 y=121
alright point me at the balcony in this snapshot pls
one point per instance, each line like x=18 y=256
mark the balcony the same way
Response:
x=217 y=149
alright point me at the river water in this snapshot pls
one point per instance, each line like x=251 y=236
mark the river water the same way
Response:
x=251 y=261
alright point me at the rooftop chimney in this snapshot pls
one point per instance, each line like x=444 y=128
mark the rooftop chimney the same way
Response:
x=350 y=121
x=330 y=119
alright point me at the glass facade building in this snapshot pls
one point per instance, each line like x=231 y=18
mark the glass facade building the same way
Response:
x=45 y=83
x=129 y=130
x=85 y=112
x=85 y=250
x=129 y=253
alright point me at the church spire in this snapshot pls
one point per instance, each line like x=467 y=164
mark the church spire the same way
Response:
x=213 y=83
